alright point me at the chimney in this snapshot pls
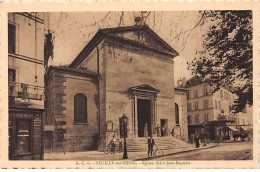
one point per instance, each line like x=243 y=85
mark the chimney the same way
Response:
x=184 y=82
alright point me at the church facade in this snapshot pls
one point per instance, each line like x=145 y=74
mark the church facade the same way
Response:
x=121 y=71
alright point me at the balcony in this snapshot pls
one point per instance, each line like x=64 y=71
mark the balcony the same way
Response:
x=22 y=94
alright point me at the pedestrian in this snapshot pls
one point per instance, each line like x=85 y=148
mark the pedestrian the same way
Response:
x=191 y=138
x=120 y=146
x=173 y=132
x=163 y=131
x=151 y=144
x=113 y=145
x=204 y=139
x=145 y=130
x=197 y=141
x=217 y=138
x=158 y=131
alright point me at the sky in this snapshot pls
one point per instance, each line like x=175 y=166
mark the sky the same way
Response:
x=73 y=30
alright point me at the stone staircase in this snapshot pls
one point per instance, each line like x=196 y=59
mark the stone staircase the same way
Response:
x=140 y=144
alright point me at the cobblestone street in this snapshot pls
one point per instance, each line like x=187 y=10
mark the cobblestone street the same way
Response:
x=226 y=151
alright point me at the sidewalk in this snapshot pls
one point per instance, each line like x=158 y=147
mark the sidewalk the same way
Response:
x=96 y=155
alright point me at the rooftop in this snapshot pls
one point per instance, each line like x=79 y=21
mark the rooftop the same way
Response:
x=158 y=44
x=73 y=70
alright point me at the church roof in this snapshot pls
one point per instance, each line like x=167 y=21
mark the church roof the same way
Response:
x=80 y=71
x=144 y=88
x=140 y=36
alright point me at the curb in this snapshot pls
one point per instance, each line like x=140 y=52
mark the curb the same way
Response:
x=175 y=153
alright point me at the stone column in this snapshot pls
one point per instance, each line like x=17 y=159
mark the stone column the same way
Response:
x=135 y=117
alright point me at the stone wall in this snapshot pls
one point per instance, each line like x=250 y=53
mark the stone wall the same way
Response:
x=127 y=67
x=62 y=87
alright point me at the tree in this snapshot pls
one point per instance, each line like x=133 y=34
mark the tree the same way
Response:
x=227 y=57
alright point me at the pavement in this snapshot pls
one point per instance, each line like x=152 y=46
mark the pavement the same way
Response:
x=136 y=156
x=225 y=151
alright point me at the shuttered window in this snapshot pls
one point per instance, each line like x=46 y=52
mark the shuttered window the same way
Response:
x=11 y=38
x=80 y=108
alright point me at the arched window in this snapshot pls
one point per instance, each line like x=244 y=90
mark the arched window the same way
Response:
x=177 y=118
x=80 y=108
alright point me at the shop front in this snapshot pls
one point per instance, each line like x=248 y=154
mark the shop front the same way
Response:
x=25 y=134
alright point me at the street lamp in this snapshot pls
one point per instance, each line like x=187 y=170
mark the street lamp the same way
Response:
x=124 y=119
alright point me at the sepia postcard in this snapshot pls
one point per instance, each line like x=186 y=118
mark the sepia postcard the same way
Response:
x=129 y=85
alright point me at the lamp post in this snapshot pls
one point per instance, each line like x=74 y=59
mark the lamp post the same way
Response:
x=124 y=119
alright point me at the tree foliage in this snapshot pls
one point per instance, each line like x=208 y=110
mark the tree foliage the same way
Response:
x=227 y=55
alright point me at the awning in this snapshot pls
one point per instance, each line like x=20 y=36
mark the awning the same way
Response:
x=232 y=128
x=245 y=128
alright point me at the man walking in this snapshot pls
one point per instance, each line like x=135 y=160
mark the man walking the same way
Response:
x=151 y=143
x=113 y=145
x=197 y=141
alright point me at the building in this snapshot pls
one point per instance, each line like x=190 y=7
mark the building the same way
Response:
x=121 y=71
x=211 y=111
x=181 y=113
x=25 y=85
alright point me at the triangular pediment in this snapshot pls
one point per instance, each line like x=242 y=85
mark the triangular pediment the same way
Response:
x=144 y=88
x=144 y=35
x=141 y=36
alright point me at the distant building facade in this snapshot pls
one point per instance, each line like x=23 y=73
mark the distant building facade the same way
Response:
x=181 y=126
x=25 y=85
x=205 y=107
x=125 y=70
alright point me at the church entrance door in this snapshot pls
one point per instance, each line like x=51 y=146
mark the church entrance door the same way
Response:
x=144 y=111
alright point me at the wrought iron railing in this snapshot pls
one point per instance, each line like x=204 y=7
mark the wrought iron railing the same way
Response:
x=25 y=91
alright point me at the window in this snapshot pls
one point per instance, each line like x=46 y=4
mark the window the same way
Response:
x=219 y=105
x=11 y=75
x=11 y=38
x=195 y=93
x=189 y=119
x=189 y=107
x=177 y=118
x=216 y=104
x=196 y=105
x=205 y=104
x=197 y=120
x=206 y=118
x=205 y=90
x=188 y=95
x=80 y=108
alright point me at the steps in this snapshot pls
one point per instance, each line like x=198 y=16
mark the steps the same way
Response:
x=140 y=144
